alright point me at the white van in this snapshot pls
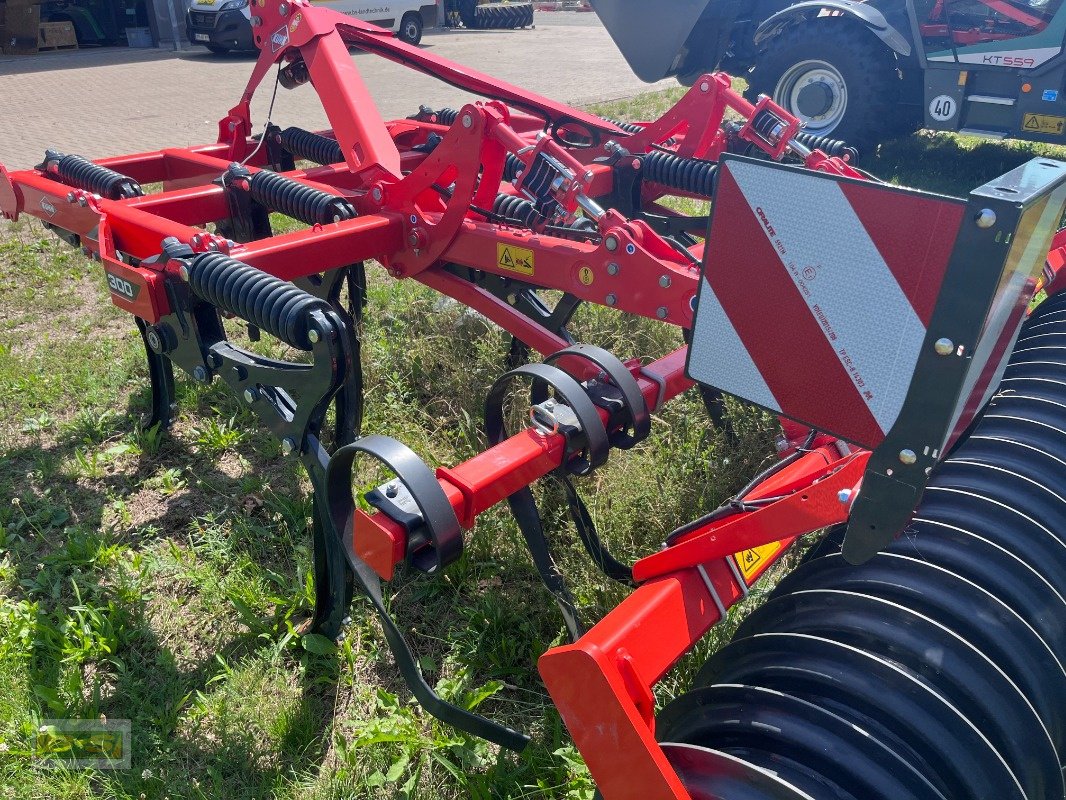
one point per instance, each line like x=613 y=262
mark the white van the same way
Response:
x=225 y=25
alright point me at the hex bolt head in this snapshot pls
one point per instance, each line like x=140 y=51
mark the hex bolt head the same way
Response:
x=844 y=495
x=705 y=87
x=468 y=121
x=549 y=405
x=250 y=395
x=588 y=175
x=944 y=346
x=661 y=312
x=392 y=490
x=907 y=456
x=196 y=240
x=612 y=268
x=287 y=446
x=313 y=335
x=199 y=374
x=377 y=194
x=83 y=201
x=70 y=197
x=985 y=218
x=611 y=243
x=283 y=9
x=611 y=299
x=664 y=281
x=183 y=271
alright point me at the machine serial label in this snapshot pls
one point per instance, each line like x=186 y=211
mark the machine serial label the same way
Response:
x=751 y=561
x=515 y=259
x=1044 y=123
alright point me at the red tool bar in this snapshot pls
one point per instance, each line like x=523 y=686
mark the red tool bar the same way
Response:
x=324 y=247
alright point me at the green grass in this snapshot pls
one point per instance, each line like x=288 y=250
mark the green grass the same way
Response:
x=162 y=578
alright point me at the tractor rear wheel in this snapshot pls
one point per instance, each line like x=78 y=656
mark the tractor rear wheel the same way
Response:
x=489 y=16
x=836 y=77
x=934 y=670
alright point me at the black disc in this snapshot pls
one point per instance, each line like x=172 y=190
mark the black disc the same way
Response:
x=732 y=717
x=875 y=695
x=947 y=663
x=711 y=775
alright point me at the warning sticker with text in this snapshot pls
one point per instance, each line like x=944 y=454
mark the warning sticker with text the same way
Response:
x=1044 y=123
x=515 y=259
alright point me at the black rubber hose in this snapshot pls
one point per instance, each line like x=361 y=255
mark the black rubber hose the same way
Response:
x=311 y=146
x=271 y=304
x=298 y=200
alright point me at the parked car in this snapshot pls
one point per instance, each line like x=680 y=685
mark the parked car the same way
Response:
x=225 y=25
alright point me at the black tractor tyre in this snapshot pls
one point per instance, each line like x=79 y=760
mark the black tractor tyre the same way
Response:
x=495 y=16
x=837 y=77
x=410 y=28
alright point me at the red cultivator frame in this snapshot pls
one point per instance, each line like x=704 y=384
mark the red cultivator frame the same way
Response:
x=877 y=336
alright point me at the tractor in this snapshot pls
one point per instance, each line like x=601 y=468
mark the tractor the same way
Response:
x=866 y=71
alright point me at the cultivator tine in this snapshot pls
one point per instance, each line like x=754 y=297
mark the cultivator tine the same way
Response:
x=875 y=321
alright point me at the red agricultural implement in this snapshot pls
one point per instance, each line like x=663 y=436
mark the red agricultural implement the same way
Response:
x=917 y=652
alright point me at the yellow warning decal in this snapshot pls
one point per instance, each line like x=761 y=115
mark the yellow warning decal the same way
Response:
x=1044 y=123
x=752 y=561
x=586 y=275
x=515 y=259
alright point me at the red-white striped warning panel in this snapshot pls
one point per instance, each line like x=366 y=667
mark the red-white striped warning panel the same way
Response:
x=816 y=294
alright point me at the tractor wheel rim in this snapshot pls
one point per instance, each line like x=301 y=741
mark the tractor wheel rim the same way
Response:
x=817 y=88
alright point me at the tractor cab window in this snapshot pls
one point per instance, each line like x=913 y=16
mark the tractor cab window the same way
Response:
x=953 y=24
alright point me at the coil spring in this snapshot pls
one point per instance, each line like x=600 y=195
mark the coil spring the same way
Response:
x=831 y=147
x=764 y=124
x=512 y=168
x=446 y=116
x=84 y=174
x=518 y=209
x=686 y=174
x=279 y=308
x=294 y=199
x=311 y=146
x=523 y=212
x=538 y=182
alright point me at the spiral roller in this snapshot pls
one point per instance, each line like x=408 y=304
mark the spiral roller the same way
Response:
x=311 y=146
x=84 y=174
x=685 y=174
x=298 y=201
x=271 y=304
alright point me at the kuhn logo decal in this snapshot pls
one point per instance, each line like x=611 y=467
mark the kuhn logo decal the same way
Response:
x=280 y=39
x=122 y=287
x=49 y=209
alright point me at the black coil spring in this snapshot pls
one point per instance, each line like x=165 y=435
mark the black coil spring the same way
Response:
x=518 y=209
x=538 y=182
x=522 y=212
x=84 y=174
x=446 y=116
x=685 y=174
x=831 y=147
x=311 y=146
x=764 y=123
x=279 y=308
x=294 y=199
x=512 y=168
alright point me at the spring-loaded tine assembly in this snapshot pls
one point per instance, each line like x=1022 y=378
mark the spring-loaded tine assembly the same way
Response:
x=917 y=652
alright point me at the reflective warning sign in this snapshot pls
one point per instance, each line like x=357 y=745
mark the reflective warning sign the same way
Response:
x=1044 y=123
x=515 y=259
x=751 y=562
